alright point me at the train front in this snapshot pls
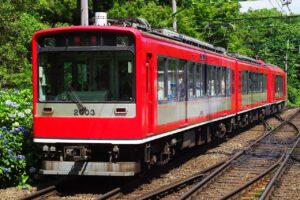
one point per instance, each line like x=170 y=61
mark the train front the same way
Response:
x=85 y=108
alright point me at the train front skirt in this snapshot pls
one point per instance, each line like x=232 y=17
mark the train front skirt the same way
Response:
x=90 y=168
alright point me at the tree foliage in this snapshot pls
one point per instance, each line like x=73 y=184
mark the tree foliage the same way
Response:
x=17 y=26
x=216 y=23
x=269 y=36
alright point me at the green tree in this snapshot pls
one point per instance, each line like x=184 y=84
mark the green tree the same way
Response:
x=17 y=27
x=269 y=36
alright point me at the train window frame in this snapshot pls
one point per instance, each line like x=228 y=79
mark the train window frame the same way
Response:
x=89 y=62
x=264 y=84
x=181 y=84
x=162 y=92
x=278 y=86
x=223 y=82
x=245 y=82
x=212 y=75
x=218 y=81
x=191 y=79
x=188 y=67
x=199 y=73
x=228 y=82
x=208 y=79
x=172 y=89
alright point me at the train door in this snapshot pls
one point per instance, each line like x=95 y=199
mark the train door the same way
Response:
x=196 y=90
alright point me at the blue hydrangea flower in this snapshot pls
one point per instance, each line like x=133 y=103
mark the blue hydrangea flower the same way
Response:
x=20 y=156
x=21 y=115
x=16 y=129
x=5 y=170
x=24 y=187
x=14 y=105
x=8 y=102
x=4 y=128
x=12 y=116
x=10 y=156
x=6 y=140
x=10 y=151
x=21 y=128
x=26 y=131
x=27 y=111
x=12 y=131
x=1 y=134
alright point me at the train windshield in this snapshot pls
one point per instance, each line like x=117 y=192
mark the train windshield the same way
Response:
x=86 y=76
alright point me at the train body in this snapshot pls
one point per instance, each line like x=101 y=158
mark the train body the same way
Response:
x=111 y=100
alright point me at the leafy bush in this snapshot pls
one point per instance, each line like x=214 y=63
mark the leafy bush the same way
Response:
x=15 y=137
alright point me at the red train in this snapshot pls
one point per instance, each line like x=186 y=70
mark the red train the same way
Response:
x=111 y=100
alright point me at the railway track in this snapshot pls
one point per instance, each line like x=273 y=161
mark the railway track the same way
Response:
x=118 y=192
x=42 y=194
x=285 y=183
x=238 y=169
x=247 y=174
x=174 y=187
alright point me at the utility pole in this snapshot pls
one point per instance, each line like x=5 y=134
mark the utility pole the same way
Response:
x=174 y=6
x=84 y=13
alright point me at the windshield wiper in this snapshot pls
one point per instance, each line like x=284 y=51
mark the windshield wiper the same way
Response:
x=76 y=99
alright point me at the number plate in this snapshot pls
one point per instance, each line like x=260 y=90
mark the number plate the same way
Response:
x=84 y=112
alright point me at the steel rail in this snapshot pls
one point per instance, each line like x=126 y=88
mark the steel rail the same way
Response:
x=109 y=194
x=244 y=186
x=187 y=181
x=226 y=164
x=40 y=193
x=120 y=189
x=174 y=186
x=48 y=190
x=281 y=169
x=279 y=117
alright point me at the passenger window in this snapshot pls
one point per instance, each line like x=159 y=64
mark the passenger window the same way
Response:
x=222 y=81
x=199 y=80
x=278 y=86
x=172 y=80
x=244 y=82
x=213 y=81
x=217 y=80
x=181 y=81
x=209 y=72
x=228 y=77
x=264 y=84
x=191 y=80
x=251 y=82
x=161 y=80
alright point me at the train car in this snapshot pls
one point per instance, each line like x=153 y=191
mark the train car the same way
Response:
x=115 y=100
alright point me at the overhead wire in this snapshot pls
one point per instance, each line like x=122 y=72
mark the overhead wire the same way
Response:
x=280 y=6
x=252 y=18
x=271 y=4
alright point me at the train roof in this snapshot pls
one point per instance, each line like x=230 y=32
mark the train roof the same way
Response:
x=272 y=67
x=144 y=27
